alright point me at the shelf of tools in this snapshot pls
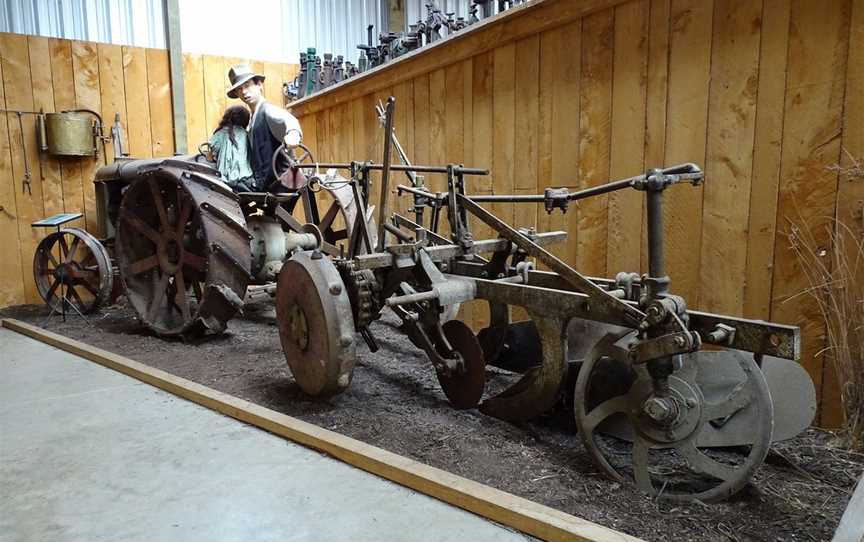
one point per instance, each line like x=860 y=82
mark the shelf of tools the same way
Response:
x=317 y=73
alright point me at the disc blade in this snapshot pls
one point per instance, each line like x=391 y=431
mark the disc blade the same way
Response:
x=464 y=389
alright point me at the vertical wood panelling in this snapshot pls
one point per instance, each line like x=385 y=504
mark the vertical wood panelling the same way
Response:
x=112 y=90
x=359 y=130
x=18 y=89
x=85 y=62
x=766 y=159
x=196 y=119
x=273 y=82
x=482 y=120
x=215 y=85
x=159 y=93
x=628 y=135
x=850 y=194
x=11 y=270
x=818 y=46
x=138 y=108
x=43 y=100
x=686 y=121
x=559 y=130
x=63 y=79
x=527 y=89
x=729 y=160
x=503 y=127
x=595 y=115
x=421 y=120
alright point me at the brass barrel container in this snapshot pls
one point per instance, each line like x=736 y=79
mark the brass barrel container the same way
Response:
x=70 y=134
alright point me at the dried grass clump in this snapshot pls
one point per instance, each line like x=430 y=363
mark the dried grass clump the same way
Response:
x=836 y=278
x=851 y=172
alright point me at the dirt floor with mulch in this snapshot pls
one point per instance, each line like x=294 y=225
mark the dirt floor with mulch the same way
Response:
x=394 y=402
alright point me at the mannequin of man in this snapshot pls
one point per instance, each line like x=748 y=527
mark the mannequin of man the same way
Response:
x=269 y=127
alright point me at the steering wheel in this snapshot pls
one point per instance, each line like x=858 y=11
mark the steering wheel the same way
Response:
x=286 y=166
x=205 y=150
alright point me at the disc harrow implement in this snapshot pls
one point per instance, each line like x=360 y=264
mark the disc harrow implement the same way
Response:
x=652 y=408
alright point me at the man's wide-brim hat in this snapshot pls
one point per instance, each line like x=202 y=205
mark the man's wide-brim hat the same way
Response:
x=238 y=75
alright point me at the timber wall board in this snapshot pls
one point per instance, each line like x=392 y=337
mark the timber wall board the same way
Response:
x=768 y=96
x=56 y=75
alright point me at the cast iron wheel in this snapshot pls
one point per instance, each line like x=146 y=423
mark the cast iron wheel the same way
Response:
x=664 y=458
x=183 y=250
x=316 y=326
x=74 y=264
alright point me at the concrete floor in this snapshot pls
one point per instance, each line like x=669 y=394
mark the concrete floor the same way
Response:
x=90 y=454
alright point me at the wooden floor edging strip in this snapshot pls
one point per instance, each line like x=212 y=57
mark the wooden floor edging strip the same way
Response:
x=505 y=508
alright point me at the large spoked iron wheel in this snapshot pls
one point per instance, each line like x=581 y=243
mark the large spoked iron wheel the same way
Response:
x=183 y=250
x=73 y=265
x=664 y=457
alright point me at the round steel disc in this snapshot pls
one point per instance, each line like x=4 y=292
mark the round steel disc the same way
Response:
x=464 y=389
x=316 y=327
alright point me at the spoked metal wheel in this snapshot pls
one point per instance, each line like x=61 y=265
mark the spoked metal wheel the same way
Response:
x=183 y=250
x=73 y=264
x=663 y=458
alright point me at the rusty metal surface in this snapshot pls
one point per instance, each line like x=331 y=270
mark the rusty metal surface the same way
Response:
x=446 y=253
x=182 y=248
x=792 y=394
x=70 y=134
x=71 y=266
x=537 y=391
x=757 y=336
x=463 y=388
x=315 y=321
x=672 y=422
x=600 y=302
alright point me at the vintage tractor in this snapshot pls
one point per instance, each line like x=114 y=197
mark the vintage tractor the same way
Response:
x=188 y=248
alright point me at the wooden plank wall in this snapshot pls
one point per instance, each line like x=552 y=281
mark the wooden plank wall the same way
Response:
x=56 y=75
x=765 y=94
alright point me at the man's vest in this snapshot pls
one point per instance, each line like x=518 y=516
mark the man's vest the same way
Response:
x=264 y=145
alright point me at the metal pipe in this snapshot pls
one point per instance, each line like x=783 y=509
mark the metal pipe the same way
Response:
x=420 y=192
x=655 y=233
x=602 y=189
x=401 y=235
x=399 y=167
x=385 y=175
x=508 y=198
x=411 y=298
